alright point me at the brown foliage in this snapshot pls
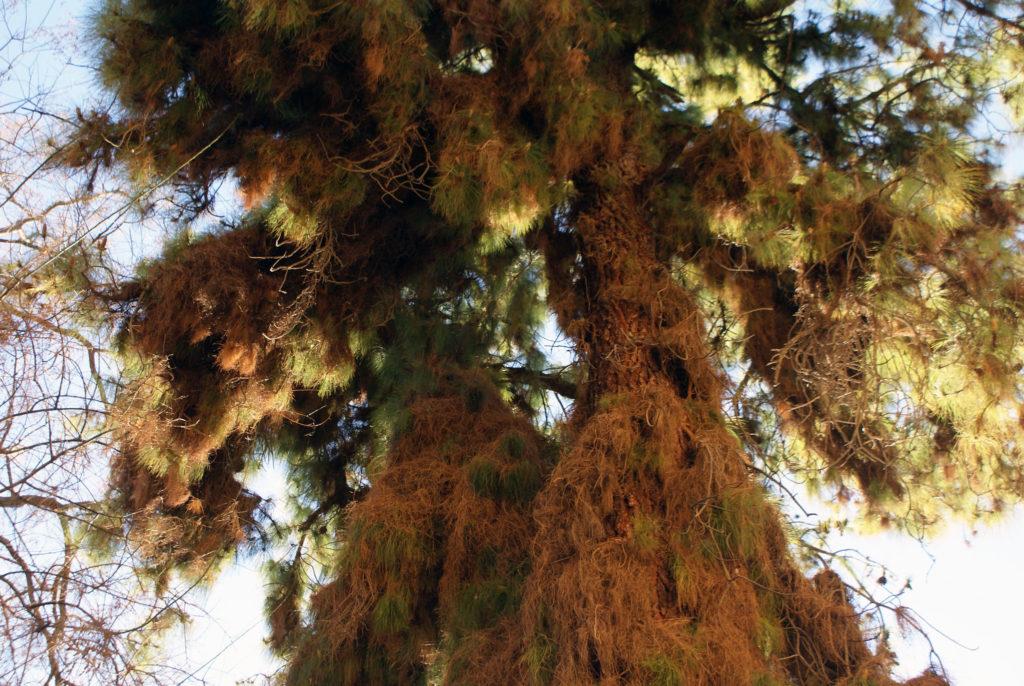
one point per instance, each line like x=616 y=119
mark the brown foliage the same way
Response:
x=455 y=489
x=656 y=552
x=217 y=290
x=733 y=156
x=174 y=523
x=186 y=423
x=809 y=360
x=656 y=558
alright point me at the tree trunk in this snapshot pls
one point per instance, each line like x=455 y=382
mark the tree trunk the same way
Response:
x=657 y=558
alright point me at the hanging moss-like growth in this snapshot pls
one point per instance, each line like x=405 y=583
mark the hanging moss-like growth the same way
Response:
x=434 y=546
x=820 y=277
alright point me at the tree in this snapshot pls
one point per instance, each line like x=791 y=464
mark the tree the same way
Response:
x=774 y=238
x=67 y=614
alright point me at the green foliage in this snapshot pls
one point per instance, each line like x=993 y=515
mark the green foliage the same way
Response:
x=478 y=605
x=391 y=614
x=665 y=671
x=643 y=456
x=484 y=476
x=646 y=532
x=513 y=446
x=769 y=636
x=540 y=657
x=516 y=482
x=737 y=523
x=521 y=482
x=285 y=588
x=686 y=586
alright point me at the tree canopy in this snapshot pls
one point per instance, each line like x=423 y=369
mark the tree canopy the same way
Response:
x=775 y=237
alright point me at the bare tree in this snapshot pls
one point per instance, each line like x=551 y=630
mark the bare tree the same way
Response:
x=68 y=614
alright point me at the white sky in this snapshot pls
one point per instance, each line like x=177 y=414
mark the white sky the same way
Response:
x=968 y=588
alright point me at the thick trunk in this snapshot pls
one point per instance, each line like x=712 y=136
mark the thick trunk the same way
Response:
x=638 y=325
x=657 y=558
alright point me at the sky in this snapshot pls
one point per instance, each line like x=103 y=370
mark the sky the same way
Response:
x=964 y=586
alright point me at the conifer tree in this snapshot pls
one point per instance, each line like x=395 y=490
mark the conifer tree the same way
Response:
x=774 y=238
